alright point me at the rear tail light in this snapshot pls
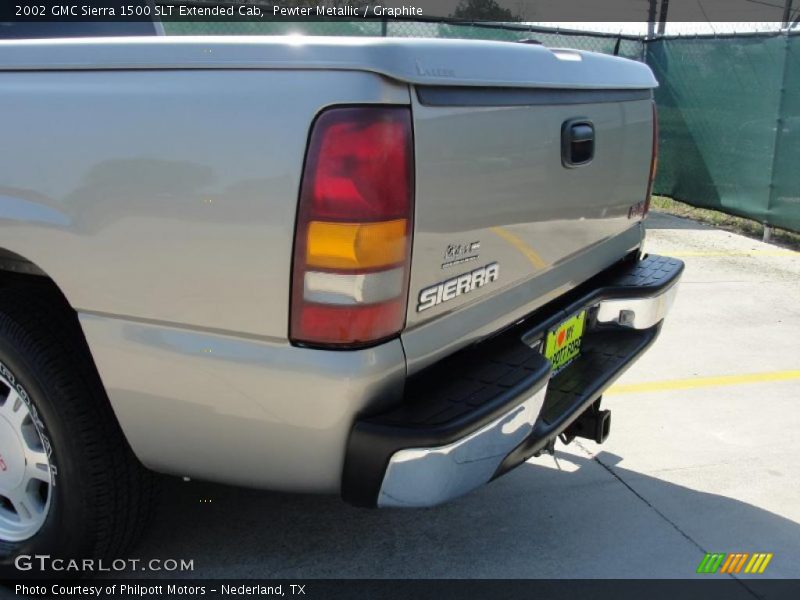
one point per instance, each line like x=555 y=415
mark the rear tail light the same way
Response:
x=653 y=161
x=353 y=237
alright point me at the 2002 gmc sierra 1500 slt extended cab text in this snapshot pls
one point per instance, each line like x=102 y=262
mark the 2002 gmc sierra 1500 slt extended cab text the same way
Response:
x=387 y=269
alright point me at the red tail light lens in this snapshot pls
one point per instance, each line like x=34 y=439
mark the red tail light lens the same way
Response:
x=353 y=237
x=653 y=161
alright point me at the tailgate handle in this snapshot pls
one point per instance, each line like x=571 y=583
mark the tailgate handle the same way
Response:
x=577 y=143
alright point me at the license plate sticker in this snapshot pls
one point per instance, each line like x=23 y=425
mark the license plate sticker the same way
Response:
x=563 y=344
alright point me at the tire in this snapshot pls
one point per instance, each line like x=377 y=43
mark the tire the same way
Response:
x=99 y=496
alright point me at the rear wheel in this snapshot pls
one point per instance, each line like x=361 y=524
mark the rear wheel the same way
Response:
x=26 y=475
x=70 y=485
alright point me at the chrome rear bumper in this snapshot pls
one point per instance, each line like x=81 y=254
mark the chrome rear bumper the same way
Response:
x=483 y=411
x=419 y=477
x=638 y=313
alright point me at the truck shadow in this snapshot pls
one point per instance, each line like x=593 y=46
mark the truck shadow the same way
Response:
x=581 y=517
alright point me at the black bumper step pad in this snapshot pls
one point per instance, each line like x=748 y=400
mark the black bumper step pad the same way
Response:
x=603 y=355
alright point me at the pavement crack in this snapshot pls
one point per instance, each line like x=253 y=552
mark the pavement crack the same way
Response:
x=650 y=505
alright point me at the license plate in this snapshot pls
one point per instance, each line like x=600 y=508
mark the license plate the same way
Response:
x=563 y=344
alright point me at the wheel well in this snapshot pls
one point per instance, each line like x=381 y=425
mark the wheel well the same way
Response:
x=11 y=262
x=17 y=270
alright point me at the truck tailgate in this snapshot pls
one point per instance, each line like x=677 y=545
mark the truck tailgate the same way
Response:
x=491 y=187
x=499 y=204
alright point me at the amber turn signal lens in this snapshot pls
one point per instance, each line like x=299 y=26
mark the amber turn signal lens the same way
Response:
x=356 y=245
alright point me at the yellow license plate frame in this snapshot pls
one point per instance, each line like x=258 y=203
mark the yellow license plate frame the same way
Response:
x=562 y=345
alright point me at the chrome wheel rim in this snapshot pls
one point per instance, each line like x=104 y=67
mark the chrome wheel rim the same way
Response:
x=26 y=479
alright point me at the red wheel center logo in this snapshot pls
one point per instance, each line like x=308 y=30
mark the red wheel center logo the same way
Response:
x=3 y=465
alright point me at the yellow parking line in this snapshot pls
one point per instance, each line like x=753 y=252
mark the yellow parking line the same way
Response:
x=701 y=382
x=726 y=253
x=521 y=245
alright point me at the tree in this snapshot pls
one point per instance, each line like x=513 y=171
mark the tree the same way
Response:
x=482 y=10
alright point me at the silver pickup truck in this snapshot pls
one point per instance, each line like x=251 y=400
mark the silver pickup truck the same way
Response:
x=387 y=269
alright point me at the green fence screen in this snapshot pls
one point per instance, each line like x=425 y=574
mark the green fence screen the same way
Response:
x=785 y=198
x=729 y=114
